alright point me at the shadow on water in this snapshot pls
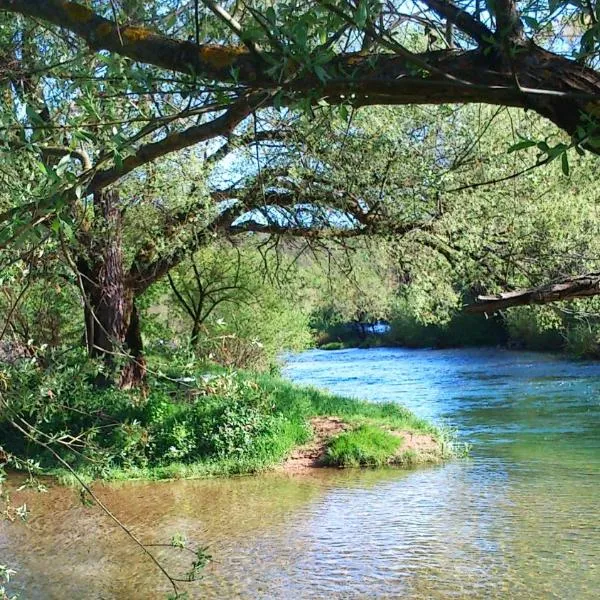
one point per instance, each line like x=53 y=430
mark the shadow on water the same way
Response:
x=517 y=520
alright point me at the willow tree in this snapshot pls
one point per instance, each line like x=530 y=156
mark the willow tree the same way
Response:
x=95 y=92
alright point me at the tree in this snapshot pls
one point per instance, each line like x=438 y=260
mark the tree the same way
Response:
x=242 y=306
x=355 y=284
x=206 y=280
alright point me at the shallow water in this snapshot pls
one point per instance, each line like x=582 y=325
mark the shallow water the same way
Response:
x=519 y=519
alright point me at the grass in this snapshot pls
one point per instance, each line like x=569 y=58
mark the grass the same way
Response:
x=226 y=423
x=365 y=446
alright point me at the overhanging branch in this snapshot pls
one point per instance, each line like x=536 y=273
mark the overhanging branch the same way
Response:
x=220 y=126
x=571 y=288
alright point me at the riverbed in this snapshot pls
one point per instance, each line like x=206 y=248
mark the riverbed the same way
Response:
x=518 y=519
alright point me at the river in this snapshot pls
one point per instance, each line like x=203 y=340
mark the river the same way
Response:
x=518 y=519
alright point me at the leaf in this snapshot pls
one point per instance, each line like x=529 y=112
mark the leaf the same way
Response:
x=278 y=100
x=64 y=162
x=522 y=145
x=361 y=13
x=557 y=150
x=33 y=115
x=321 y=73
x=84 y=135
x=270 y=15
x=565 y=164
x=531 y=22
x=543 y=146
x=171 y=20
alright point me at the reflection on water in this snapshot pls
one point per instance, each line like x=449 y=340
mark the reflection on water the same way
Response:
x=517 y=520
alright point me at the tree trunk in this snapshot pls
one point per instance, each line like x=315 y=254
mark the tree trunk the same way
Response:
x=134 y=372
x=111 y=318
x=195 y=335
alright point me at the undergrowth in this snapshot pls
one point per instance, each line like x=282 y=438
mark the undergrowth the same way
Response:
x=195 y=421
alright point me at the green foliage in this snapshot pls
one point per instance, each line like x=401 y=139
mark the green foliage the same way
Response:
x=236 y=311
x=407 y=329
x=366 y=446
x=583 y=339
x=535 y=328
x=356 y=284
x=215 y=422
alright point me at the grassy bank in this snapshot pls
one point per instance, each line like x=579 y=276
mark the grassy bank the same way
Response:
x=200 y=421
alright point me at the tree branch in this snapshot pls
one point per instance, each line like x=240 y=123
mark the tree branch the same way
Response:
x=220 y=126
x=138 y=43
x=571 y=288
x=555 y=87
x=59 y=151
x=509 y=29
x=470 y=25
x=234 y=25
x=237 y=141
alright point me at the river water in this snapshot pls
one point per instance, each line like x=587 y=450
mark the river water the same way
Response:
x=518 y=519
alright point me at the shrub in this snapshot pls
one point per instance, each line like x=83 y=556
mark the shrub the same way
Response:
x=209 y=422
x=583 y=340
x=535 y=328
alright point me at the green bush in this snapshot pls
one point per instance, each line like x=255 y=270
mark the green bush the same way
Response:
x=210 y=422
x=461 y=329
x=535 y=328
x=583 y=340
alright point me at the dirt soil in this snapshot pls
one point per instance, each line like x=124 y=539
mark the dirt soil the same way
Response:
x=311 y=455
x=419 y=442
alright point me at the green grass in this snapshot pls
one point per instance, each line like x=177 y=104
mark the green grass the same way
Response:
x=226 y=423
x=365 y=446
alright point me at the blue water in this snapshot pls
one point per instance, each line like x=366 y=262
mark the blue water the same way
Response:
x=503 y=403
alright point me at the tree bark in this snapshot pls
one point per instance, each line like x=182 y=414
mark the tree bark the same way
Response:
x=134 y=371
x=195 y=335
x=111 y=318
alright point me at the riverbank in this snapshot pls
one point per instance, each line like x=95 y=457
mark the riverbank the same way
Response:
x=204 y=421
x=336 y=443
x=576 y=344
x=524 y=328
